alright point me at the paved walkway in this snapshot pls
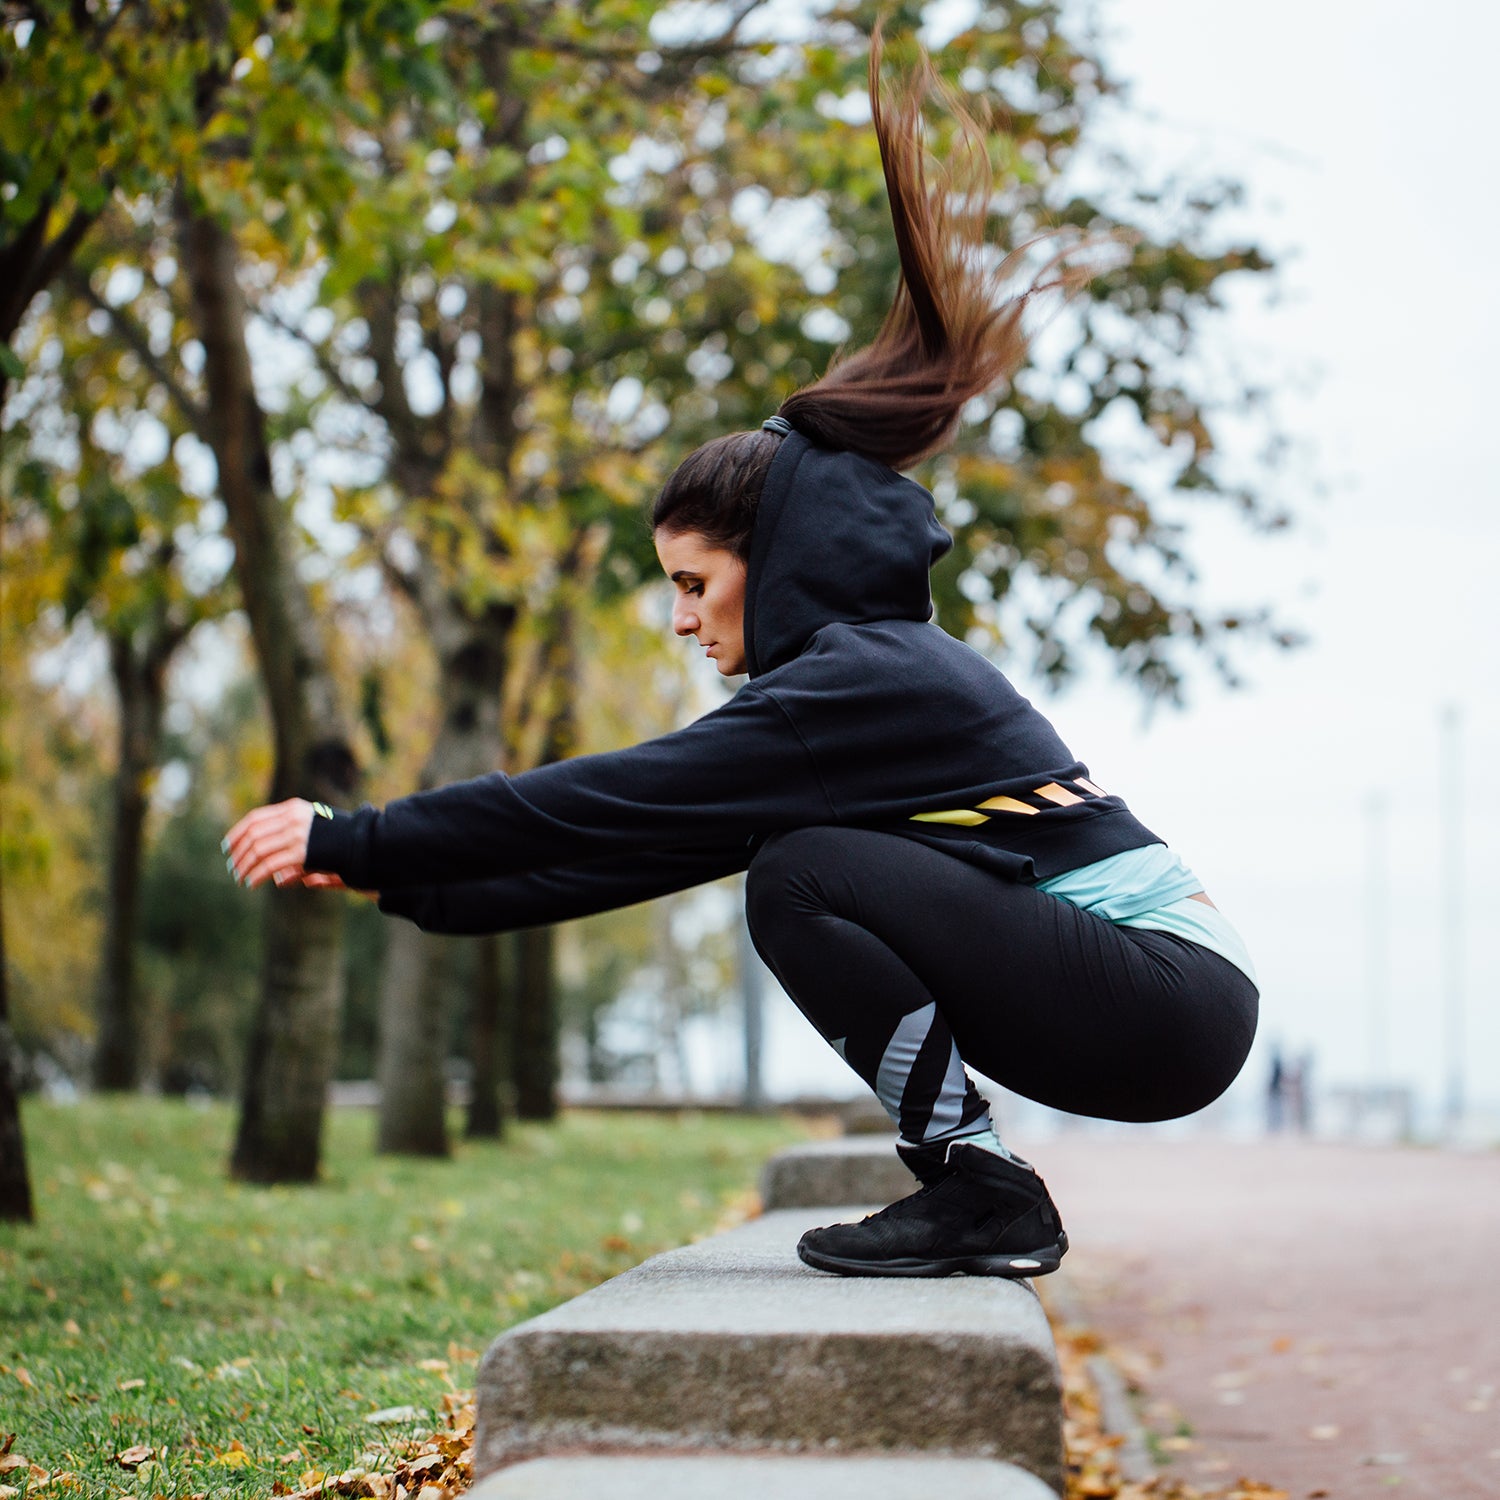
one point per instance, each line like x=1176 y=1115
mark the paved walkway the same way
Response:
x=1321 y=1317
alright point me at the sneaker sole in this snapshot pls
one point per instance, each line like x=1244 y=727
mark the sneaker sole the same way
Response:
x=1013 y=1265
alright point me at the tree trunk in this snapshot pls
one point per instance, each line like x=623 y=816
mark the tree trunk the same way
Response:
x=413 y=1051
x=139 y=671
x=417 y=982
x=294 y=1037
x=488 y=1032
x=293 y=1040
x=15 y=1182
x=536 y=1027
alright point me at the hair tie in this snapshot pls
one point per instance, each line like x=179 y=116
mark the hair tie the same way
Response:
x=779 y=425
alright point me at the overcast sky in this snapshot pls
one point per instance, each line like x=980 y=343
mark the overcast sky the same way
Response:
x=1368 y=138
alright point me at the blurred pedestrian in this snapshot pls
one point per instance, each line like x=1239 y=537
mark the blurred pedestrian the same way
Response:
x=934 y=877
x=1276 y=1094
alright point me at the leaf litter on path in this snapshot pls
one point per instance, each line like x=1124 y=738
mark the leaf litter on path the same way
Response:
x=1093 y=1452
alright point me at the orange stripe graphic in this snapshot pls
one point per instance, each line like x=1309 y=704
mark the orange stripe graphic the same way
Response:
x=1058 y=794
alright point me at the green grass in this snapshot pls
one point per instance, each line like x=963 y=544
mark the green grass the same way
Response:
x=156 y=1303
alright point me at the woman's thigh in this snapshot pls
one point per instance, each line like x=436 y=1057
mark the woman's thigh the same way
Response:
x=1049 y=1001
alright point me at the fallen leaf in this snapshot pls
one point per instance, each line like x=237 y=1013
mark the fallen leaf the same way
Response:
x=24 y=1376
x=437 y=1366
x=388 y=1416
x=71 y=1328
x=133 y=1458
x=9 y=1461
x=129 y=1385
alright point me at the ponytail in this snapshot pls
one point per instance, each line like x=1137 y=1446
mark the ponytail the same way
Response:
x=952 y=332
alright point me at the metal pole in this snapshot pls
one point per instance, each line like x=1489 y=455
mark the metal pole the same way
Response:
x=1453 y=910
x=1378 y=935
x=752 y=994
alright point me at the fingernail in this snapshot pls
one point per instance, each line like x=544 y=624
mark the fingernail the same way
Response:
x=229 y=865
x=224 y=844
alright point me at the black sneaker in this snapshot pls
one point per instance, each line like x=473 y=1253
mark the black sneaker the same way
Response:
x=984 y=1216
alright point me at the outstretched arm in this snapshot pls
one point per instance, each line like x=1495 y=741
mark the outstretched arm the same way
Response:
x=740 y=771
x=558 y=895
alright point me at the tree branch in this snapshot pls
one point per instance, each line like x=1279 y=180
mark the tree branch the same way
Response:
x=134 y=337
x=321 y=356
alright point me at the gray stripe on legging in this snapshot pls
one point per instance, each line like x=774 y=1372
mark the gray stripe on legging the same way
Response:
x=948 y=1108
x=901 y=1057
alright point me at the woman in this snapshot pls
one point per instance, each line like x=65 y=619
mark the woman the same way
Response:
x=932 y=875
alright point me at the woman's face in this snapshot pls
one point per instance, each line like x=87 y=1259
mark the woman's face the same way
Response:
x=710 y=600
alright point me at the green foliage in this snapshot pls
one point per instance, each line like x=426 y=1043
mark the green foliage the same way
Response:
x=555 y=268
x=156 y=1303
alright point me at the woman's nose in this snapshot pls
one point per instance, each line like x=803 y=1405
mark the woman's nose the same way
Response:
x=684 y=620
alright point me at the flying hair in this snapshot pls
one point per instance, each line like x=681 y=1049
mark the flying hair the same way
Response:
x=954 y=330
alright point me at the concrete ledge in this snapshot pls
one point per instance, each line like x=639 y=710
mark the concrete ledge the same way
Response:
x=857 y=1169
x=760 y=1477
x=865 y=1115
x=734 y=1344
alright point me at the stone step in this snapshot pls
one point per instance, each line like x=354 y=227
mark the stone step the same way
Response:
x=851 y=1169
x=760 y=1477
x=734 y=1344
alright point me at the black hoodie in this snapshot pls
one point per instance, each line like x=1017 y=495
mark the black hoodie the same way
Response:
x=859 y=712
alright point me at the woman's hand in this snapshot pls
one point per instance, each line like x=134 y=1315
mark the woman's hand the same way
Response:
x=270 y=843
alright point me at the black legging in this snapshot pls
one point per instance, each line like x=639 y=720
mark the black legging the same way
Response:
x=907 y=960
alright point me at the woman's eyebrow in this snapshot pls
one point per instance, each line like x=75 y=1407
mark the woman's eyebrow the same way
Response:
x=683 y=573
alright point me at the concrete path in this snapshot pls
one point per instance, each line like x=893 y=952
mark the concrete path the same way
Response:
x=1321 y=1317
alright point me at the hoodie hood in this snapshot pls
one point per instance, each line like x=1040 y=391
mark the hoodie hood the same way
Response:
x=838 y=539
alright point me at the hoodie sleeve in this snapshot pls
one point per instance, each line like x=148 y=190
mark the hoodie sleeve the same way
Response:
x=475 y=907
x=739 y=771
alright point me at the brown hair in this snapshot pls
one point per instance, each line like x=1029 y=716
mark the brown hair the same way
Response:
x=951 y=333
